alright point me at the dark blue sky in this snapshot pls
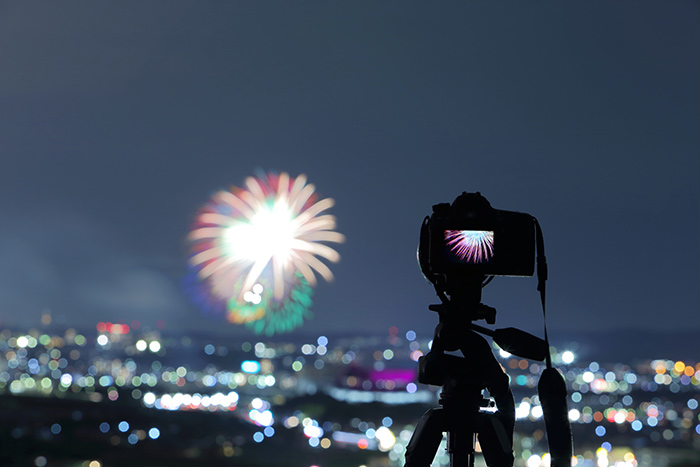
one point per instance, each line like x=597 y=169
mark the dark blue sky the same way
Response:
x=118 y=120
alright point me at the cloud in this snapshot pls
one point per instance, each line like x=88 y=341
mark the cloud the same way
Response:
x=134 y=293
x=82 y=272
x=29 y=282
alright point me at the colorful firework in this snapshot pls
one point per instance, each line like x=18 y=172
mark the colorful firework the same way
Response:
x=256 y=251
x=472 y=246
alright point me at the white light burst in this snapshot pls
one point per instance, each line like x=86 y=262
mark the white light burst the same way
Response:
x=276 y=222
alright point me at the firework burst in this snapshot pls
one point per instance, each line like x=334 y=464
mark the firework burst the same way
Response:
x=473 y=246
x=258 y=250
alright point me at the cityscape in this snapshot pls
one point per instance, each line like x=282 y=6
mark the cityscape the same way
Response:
x=126 y=394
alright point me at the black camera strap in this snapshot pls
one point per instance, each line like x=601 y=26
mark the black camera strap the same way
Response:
x=541 y=283
x=551 y=386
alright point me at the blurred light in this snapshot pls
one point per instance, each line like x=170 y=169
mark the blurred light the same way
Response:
x=522 y=410
x=102 y=340
x=263 y=418
x=410 y=335
x=118 y=328
x=123 y=426
x=386 y=438
x=250 y=366
x=154 y=433
x=149 y=398
x=313 y=431
x=536 y=412
x=257 y=403
x=291 y=422
x=141 y=345
x=411 y=388
x=567 y=357
x=574 y=415
x=154 y=346
x=322 y=340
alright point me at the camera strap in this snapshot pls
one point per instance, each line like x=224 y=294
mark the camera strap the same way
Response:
x=552 y=386
x=541 y=282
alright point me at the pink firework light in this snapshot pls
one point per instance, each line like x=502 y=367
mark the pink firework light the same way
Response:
x=274 y=226
x=473 y=246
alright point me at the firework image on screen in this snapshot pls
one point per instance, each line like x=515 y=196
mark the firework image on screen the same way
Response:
x=255 y=252
x=470 y=246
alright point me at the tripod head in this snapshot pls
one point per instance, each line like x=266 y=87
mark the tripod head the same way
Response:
x=463 y=380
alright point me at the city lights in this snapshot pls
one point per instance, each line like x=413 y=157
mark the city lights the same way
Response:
x=652 y=402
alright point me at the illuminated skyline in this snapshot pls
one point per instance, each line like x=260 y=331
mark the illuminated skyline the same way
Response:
x=632 y=413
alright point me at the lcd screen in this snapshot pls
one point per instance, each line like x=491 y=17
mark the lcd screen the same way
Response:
x=469 y=246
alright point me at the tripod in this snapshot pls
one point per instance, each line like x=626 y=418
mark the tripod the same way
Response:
x=461 y=413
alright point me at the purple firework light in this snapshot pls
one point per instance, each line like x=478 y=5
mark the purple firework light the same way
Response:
x=473 y=246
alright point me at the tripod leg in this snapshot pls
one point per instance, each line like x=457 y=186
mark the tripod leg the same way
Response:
x=460 y=445
x=496 y=443
x=496 y=437
x=426 y=438
x=496 y=434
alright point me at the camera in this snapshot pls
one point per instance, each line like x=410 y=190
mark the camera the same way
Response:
x=470 y=237
x=462 y=246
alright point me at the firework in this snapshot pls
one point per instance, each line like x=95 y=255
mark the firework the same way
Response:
x=256 y=250
x=472 y=246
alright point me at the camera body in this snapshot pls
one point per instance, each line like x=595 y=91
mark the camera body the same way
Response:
x=469 y=237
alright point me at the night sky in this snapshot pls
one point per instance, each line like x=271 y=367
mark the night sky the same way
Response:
x=118 y=120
